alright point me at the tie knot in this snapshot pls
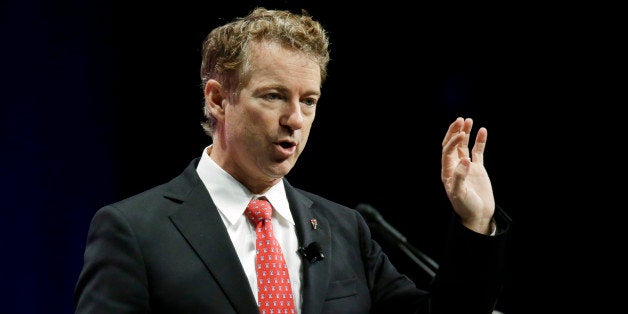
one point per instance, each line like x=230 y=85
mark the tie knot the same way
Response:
x=259 y=210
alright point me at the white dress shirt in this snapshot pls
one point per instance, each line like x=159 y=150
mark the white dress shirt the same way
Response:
x=231 y=199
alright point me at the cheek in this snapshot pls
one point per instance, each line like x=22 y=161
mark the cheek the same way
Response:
x=238 y=117
x=307 y=125
x=237 y=126
x=249 y=125
x=305 y=133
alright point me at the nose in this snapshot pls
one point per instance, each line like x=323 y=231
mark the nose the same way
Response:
x=292 y=115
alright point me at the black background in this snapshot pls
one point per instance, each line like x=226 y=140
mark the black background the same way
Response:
x=101 y=100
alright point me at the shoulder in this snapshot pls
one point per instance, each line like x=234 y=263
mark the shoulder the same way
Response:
x=150 y=197
x=161 y=199
x=322 y=203
x=147 y=206
x=341 y=216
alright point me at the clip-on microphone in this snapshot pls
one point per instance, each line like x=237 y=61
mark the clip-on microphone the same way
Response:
x=313 y=252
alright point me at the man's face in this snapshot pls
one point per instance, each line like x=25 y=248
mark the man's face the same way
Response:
x=267 y=128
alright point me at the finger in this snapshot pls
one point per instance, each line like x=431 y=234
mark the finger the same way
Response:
x=466 y=128
x=479 y=146
x=453 y=146
x=468 y=124
x=460 y=175
x=454 y=128
x=450 y=156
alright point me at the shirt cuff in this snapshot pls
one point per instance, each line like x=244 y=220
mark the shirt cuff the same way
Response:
x=493 y=227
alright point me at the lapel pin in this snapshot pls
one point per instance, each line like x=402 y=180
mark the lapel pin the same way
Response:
x=314 y=223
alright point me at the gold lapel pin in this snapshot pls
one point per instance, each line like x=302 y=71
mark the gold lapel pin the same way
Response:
x=314 y=223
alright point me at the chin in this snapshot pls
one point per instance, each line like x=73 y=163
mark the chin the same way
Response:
x=283 y=168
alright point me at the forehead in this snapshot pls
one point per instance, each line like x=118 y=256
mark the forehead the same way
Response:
x=271 y=60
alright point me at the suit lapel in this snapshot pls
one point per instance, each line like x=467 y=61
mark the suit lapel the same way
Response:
x=315 y=275
x=200 y=223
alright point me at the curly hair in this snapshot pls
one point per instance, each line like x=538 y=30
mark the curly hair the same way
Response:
x=225 y=53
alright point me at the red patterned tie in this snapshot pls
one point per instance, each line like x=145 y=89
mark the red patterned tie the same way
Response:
x=274 y=291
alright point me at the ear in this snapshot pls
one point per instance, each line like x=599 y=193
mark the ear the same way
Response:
x=215 y=99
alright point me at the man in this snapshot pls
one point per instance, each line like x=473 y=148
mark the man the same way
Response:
x=187 y=246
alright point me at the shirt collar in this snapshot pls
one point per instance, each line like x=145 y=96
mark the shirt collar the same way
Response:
x=231 y=197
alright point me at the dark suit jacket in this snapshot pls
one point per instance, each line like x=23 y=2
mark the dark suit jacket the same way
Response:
x=166 y=250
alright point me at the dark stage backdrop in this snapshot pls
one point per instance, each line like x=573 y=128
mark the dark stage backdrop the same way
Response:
x=101 y=100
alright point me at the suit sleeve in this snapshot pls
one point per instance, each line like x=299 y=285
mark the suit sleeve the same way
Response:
x=113 y=278
x=471 y=274
x=469 y=279
x=391 y=291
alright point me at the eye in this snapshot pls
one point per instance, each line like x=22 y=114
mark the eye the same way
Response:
x=310 y=102
x=272 y=96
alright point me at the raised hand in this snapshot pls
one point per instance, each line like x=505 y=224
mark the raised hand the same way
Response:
x=465 y=179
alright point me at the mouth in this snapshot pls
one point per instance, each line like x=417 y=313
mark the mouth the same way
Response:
x=287 y=148
x=287 y=144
